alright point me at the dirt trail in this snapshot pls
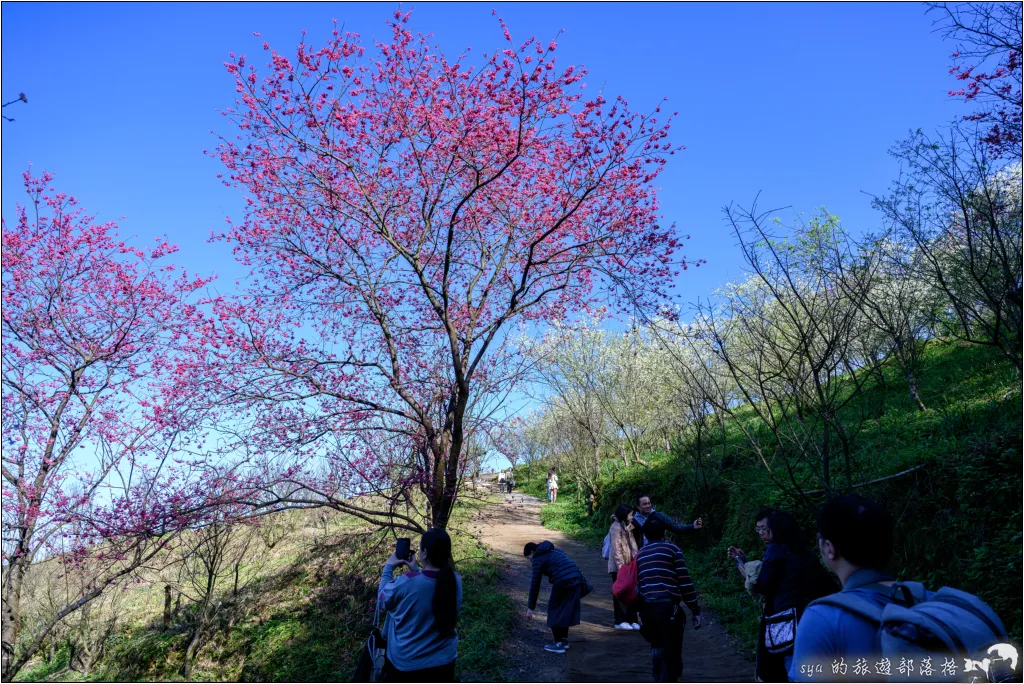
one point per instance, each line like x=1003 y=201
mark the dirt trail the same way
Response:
x=597 y=653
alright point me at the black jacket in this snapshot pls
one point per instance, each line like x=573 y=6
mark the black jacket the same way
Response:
x=791 y=580
x=559 y=568
x=670 y=525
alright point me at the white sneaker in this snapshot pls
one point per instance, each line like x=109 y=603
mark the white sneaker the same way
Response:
x=636 y=626
x=625 y=626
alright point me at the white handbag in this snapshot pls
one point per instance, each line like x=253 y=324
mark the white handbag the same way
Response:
x=780 y=631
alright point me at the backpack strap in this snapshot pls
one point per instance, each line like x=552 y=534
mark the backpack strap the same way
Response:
x=909 y=593
x=853 y=603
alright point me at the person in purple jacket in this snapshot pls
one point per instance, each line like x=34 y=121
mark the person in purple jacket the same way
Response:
x=423 y=606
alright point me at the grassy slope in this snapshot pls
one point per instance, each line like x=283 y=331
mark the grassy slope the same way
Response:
x=958 y=519
x=304 y=619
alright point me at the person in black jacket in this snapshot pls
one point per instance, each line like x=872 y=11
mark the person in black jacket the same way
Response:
x=789 y=579
x=566 y=588
x=645 y=510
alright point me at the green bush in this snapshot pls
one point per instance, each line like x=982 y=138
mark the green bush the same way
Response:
x=958 y=517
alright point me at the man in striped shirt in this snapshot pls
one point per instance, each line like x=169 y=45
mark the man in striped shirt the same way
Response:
x=664 y=581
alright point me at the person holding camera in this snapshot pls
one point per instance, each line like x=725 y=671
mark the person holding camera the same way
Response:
x=423 y=606
x=644 y=511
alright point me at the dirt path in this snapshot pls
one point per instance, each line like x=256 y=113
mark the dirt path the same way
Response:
x=598 y=653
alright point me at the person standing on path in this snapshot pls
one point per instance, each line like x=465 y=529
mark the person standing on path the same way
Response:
x=664 y=581
x=566 y=588
x=790 y=577
x=645 y=511
x=510 y=482
x=423 y=607
x=552 y=486
x=621 y=550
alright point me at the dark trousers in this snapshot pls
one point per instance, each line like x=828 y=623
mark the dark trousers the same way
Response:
x=622 y=612
x=560 y=633
x=663 y=629
x=441 y=673
x=771 y=667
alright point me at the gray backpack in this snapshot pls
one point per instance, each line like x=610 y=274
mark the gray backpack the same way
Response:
x=917 y=624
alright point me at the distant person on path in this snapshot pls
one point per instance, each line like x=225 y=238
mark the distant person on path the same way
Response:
x=664 y=581
x=552 y=486
x=501 y=480
x=789 y=578
x=423 y=606
x=645 y=511
x=510 y=482
x=621 y=550
x=566 y=587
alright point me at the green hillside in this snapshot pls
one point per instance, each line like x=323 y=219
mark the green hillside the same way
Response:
x=958 y=516
x=304 y=617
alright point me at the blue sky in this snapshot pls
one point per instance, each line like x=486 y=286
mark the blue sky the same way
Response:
x=798 y=102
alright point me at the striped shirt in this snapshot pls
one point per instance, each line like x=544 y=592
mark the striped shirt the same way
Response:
x=662 y=575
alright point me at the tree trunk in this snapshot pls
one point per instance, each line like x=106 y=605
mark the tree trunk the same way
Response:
x=448 y=451
x=914 y=391
x=167 y=606
x=195 y=643
x=826 y=479
x=12 y=617
x=190 y=653
x=592 y=494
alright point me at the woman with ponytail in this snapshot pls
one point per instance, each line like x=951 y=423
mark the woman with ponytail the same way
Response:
x=423 y=607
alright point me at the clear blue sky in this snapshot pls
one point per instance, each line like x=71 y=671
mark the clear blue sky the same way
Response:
x=799 y=102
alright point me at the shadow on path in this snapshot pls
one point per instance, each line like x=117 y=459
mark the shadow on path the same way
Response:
x=598 y=653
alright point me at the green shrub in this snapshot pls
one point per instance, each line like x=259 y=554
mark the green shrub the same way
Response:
x=958 y=517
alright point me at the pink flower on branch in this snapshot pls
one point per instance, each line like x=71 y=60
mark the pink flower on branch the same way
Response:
x=405 y=211
x=95 y=331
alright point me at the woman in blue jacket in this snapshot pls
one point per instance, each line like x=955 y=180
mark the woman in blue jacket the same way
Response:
x=423 y=606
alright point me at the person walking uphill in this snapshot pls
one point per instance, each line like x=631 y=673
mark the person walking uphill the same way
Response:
x=664 y=581
x=567 y=588
x=423 y=606
x=621 y=550
x=645 y=511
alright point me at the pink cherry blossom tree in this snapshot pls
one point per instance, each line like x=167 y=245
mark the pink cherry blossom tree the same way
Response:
x=405 y=210
x=987 y=62
x=91 y=332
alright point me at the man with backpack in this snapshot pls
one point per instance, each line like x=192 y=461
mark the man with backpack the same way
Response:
x=877 y=628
